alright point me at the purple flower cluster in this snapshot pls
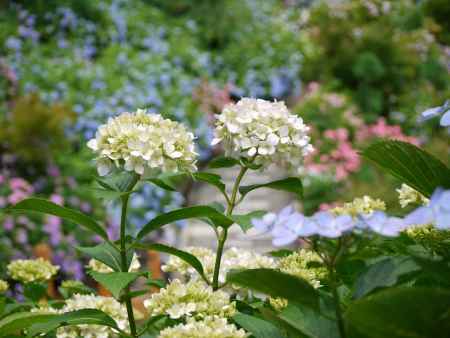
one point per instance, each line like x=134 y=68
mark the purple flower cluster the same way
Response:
x=443 y=110
x=288 y=225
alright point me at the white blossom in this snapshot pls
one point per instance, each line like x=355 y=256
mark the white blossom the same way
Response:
x=408 y=195
x=106 y=304
x=194 y=298
x=143 y=142
x=210 y=327
x=264 y=132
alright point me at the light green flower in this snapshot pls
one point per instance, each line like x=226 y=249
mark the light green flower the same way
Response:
x=142 y=142
x=31 y=270
x=210 y=327
x=363 y=205
x=194 y=298
x=263 y=131
x=4 y=286
x=408 y=195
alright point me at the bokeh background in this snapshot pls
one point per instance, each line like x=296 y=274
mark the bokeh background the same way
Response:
x=355 y=70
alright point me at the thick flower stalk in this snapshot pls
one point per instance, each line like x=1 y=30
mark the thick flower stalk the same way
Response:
x=211 y=327
x=143 y=142
x=31 y=270
x=194 y=298
x=263 y=132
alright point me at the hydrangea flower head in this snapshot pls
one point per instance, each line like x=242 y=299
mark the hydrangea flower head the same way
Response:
x=4 y=286
x=298 y=264
x=362 y=205
x=106 y=304
x=194 y=298
x=263 y=131
x=210 y=327
x=139 y=142
x=31 y=270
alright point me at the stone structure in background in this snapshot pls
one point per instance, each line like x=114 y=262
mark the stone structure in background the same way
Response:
x=197 y=233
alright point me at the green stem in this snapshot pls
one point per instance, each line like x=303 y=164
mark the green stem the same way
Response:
x=123 y=256
x=224 y=234
x=331 y=264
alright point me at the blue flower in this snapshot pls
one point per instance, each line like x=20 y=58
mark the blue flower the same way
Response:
x=443 y=110
x=382 y=224
x=437 y=211
x=326 y=224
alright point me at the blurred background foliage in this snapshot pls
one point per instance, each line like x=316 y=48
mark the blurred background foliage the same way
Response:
x=355 y=70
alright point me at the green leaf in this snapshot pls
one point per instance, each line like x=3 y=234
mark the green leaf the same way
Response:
x=259 y=328
x=19 y=321
x=212 y=179
x=290 y=184
x=47 y=207
x=115 y=282
x=404 y=312
x=245 y=221
x=409 y=164
x=183 y=255
x=68 y=291
x=223 y=162
x=384 y=273
x=276 y=284
x=105 y=253
x=167 y=181
x=309 y=322
x=210 y=213
x=35 y=291
x=80 y=317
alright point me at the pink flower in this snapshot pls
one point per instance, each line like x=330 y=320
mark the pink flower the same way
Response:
x=17 y=196
x=57 y=199
x=8 y=223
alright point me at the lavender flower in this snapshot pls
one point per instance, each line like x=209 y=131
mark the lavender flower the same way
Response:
x=382 y=224
x=437 y=211
x=443 y=110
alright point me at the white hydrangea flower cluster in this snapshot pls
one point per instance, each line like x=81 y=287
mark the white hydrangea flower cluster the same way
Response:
x=4 y=286
x=31 y=270
x=263 y=131
x=106 y=304
x=194 y=298
x=298 y=264
x=408 y=195
x=361 y=205
x=140 y=141
x=98 y=266
x=210 y=327
x=232 y=258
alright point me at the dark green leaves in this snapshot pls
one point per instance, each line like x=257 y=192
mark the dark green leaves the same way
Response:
x=276 y=284
x=259 y=328
x=290 y=184
x=223 y=162
x=384 y=273
x=35 y=291
x=402 y=313
x=19 y=321
x=167 y=181
x=215 y=217
x=309 y=322
x=183 y=255
x=245 y=221
x=410 y=164
x=86 y=316
x=105 y=253
x=47 y=207
x=115 y=282
x=212 y=179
